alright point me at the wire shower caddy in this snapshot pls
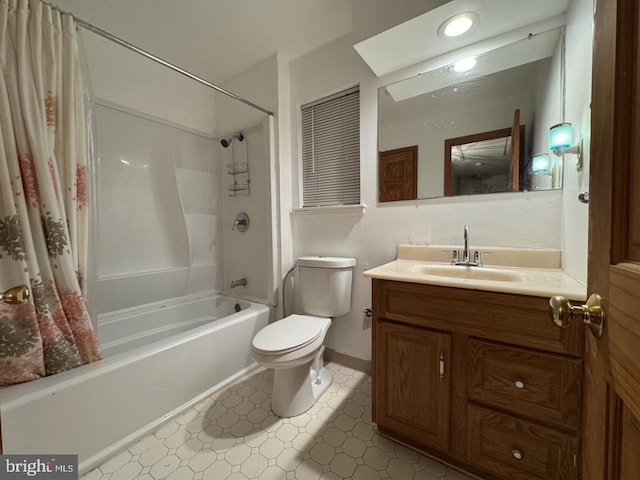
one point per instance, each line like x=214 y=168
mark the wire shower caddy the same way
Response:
x=239 y=170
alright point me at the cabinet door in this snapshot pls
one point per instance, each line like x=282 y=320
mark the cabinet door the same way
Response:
x=413 y=383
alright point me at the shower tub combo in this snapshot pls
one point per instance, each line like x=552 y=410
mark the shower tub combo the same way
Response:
x=159 y=360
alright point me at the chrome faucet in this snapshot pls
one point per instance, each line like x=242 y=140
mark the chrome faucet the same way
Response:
x=239 y=283
x=466 y=253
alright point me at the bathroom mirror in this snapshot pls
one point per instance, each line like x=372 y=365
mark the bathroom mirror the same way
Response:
x=445 y=119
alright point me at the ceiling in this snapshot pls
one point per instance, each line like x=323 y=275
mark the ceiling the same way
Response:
x=217 y=39
x=417 y=39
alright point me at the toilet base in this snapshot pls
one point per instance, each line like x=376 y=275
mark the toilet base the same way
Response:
x=296 y=390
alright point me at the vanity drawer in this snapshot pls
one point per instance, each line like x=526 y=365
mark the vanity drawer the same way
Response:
x=539 y=385
x=517 y=319
x=515 y=449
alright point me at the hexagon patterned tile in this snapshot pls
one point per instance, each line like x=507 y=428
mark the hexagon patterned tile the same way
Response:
x=234 y=436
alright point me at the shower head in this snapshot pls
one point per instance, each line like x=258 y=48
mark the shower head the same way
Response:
x=225 y=142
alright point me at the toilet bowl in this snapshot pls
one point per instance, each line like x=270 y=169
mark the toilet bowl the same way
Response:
x=293 y=346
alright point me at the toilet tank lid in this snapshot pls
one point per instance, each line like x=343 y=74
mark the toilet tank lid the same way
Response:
x=326 y=262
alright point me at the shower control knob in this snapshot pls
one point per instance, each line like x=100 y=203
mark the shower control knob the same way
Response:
x=241 y=223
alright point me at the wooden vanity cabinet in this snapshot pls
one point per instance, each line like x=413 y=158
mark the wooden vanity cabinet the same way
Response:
x=480 y=379
x=414 y=392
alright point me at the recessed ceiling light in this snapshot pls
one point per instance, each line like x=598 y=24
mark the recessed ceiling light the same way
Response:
x=457 y=25
x=464 y=65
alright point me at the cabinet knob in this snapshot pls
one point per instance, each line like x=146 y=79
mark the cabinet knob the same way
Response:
x=517 y=454
x=519 y=384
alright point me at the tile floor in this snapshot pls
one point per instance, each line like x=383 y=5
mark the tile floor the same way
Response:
x=234 y=436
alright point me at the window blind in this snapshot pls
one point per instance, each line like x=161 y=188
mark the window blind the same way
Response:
x=331 y=150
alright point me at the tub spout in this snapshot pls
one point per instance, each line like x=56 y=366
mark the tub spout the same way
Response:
x=239 y=283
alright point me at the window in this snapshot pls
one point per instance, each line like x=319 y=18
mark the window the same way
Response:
x=331 y=150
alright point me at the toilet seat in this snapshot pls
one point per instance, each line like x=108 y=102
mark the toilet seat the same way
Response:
x=289 y=334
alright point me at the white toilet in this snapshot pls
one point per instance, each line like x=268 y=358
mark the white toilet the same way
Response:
x=293 y=346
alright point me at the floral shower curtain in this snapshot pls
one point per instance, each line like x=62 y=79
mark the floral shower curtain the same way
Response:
x=43 y=193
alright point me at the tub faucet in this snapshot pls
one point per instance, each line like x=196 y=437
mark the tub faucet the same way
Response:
x=466 y=253
x=239 y=283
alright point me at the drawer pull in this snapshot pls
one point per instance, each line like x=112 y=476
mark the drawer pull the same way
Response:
x=441 y=366
x=519 y=384
x=517 y=454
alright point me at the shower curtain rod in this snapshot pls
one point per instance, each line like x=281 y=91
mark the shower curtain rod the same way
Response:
x=150 y=56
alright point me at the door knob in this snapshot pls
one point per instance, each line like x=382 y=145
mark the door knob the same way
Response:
x=592 y=313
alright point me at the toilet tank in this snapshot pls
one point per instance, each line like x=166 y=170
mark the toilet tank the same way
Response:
x=325 y=285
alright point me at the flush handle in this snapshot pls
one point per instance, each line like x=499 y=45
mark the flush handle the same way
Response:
x=591 y=314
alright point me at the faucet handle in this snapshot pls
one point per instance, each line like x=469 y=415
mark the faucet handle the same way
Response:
x=455 y=257
x=477 y=256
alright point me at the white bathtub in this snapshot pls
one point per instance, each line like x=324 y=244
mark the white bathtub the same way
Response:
x=159 y=360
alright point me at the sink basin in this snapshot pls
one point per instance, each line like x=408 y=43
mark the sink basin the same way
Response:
x=471 y=273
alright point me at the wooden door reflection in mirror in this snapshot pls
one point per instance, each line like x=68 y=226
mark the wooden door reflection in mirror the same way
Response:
x=398 y=174
x=487 y=162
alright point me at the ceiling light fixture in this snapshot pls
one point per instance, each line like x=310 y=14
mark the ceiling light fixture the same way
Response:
x=457 y=25
x=464 y=65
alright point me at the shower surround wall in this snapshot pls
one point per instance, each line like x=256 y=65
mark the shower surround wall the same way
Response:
x=157 y=210
x=248 y=254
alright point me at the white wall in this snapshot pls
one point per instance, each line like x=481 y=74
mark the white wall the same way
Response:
x=128 y=79
x=549 y=112
x=575 y=215
x=522 y=220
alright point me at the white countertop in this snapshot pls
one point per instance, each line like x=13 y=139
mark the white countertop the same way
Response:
x=538 y=276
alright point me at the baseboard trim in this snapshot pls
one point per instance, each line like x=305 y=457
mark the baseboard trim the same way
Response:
x=347 y=360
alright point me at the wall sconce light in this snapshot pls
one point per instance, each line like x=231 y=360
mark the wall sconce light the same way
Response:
x=561 y=142
x=541 y=163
